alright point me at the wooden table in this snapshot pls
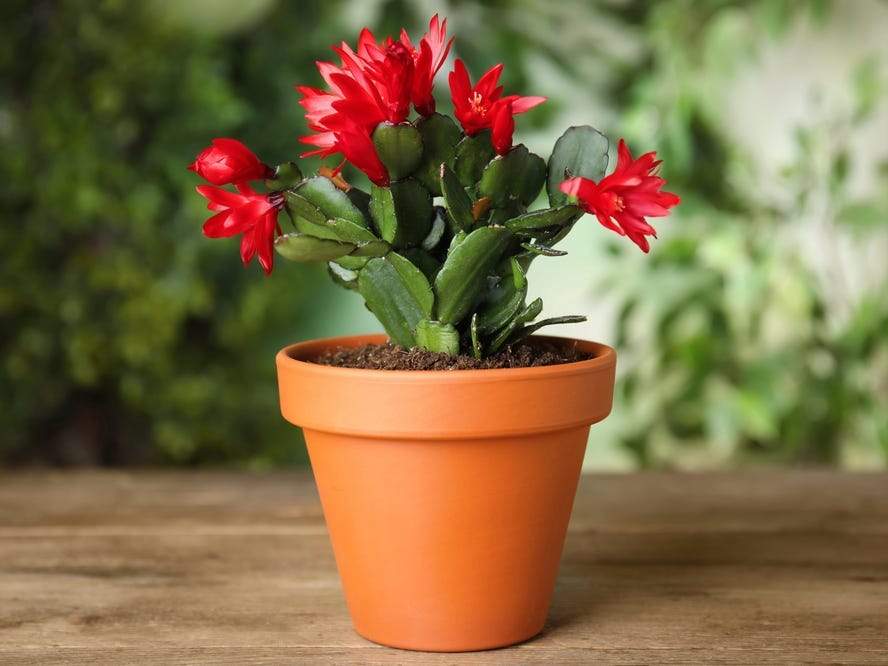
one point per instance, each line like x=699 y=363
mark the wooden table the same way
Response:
x=208 y=567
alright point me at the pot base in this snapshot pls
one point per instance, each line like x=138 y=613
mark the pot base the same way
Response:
x=448 y=546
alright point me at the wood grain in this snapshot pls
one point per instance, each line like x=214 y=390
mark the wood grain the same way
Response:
x=218 y=567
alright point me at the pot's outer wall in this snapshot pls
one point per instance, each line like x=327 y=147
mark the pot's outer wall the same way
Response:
x=447 y=494
x=442 y=404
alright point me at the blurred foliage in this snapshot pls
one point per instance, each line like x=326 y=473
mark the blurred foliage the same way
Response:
x=747 y=339
x=126 y=337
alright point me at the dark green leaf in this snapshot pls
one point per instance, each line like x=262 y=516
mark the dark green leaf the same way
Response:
x=459 y=204
x=304 y=249
x=580 y=151
x=543 y=250
x=503 y=301
x=399 y=148
x=286 y=175
x=398 y=294
x=437 y=337
x=331 y=201
x=349 y=231
x=541 y=219
x=464 y=271
x=516 y=176
x=402 y=212
x=439 y=138
x=472 y=154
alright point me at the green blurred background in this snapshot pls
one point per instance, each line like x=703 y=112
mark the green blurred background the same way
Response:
x=753 y=334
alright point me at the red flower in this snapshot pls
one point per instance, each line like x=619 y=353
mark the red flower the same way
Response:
x=428 y=60
x=245 y=212
x=374 y=84
x=622 y=200
x=229 y=161
x=480 y=106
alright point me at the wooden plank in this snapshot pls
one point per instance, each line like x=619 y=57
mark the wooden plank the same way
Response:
x=236 y=568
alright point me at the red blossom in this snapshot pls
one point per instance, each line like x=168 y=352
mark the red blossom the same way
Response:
x=428 y=60
x=229 y=161
x=376 y=83
x=245 y=212
x=622 y=200
x=481 y=106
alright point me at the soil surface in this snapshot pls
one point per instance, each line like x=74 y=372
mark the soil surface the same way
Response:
x=392 y=357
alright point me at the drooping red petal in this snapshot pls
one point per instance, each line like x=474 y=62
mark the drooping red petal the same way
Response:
x=503 y=127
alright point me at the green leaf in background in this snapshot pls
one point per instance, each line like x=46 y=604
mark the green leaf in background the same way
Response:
x=580 y=151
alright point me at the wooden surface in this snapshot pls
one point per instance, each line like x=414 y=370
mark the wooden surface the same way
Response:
x=740 y=568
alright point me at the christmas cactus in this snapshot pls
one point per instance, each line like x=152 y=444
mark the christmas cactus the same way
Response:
x=440 y=243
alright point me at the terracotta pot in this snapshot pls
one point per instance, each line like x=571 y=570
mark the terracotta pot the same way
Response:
x=447 y=494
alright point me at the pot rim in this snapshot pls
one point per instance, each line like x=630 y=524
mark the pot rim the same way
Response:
x=603 y=356
x=443 y=404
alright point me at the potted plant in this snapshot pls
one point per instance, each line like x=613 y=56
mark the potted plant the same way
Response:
x=446 y=492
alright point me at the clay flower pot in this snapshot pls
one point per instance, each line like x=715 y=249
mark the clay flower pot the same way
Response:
x=447 y=494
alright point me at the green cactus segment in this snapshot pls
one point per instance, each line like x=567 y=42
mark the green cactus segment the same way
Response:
x=307 y=228
x=437 y=337
x=580 y=151
x=522 y=333
x=518 y=175
x=399 y=148
x=329 y=201
x=473 y=153
x=459 y=204
x=529 y=313
x=342 y=276
x=424 y=261
x=439 y=138
x=529 y=224
x=465 y=270
x=300 y=207
x=360 y=200
x=398 y=294
x=436 y=233
x=543 y=250
x=402 y=213
x=306 y=249
x=352 y=262
x=350 y=232
x=285 y=176
x=476 y=340
x=505 y=300
x=374 y=248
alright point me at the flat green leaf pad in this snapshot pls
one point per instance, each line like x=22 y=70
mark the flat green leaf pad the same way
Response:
x=580 y=151
x=307 y=249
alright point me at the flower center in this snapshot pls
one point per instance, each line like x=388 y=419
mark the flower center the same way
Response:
x=476 y=101
x=614 y=203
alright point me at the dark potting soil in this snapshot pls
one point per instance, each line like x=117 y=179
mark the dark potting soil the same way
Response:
x=392 y=357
